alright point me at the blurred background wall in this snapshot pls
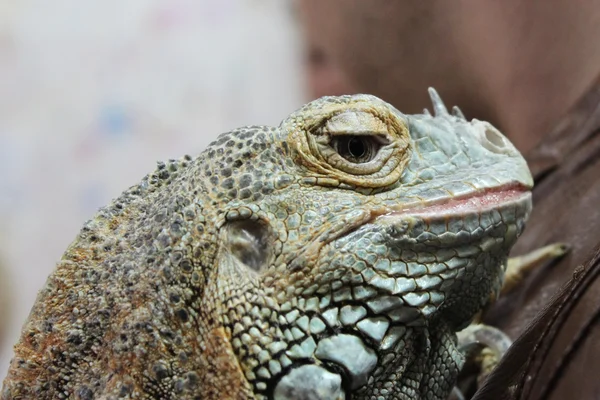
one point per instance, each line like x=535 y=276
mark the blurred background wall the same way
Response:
x=93 y=93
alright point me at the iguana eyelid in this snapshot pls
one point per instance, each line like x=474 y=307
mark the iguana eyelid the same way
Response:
x=313 y=133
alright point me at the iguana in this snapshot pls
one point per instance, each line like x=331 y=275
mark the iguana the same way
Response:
x=332 y=257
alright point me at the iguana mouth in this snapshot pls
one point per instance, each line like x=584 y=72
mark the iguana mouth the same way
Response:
x=478 y=202
x=460 y=221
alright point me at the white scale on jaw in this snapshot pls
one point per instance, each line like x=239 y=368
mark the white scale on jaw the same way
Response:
x=315 y=382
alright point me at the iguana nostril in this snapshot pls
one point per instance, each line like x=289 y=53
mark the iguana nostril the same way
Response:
x=495 y=138
x=249 y=242
x=491 y=139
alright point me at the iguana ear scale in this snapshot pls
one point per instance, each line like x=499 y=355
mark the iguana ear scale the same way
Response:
x=249 y=242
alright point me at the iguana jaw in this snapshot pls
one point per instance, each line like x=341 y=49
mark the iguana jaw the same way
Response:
x=434 y=249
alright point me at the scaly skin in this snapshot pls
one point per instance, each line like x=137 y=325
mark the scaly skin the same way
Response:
x=332 y=257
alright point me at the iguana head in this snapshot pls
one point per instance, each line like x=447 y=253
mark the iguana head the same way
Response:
x=355 y=240
x=332 y=257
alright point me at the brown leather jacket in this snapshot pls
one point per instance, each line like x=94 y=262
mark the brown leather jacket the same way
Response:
x=558 y=355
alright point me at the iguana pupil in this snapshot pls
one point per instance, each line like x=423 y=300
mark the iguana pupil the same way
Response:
x=356 y=149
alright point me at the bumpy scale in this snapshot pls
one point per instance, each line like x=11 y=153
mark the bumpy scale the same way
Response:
x=332 y=257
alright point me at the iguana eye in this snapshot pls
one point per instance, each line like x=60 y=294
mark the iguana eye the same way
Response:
x=363 y=143
x=356 y=149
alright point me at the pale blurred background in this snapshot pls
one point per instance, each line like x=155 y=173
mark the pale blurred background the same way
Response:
x=93 y=93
